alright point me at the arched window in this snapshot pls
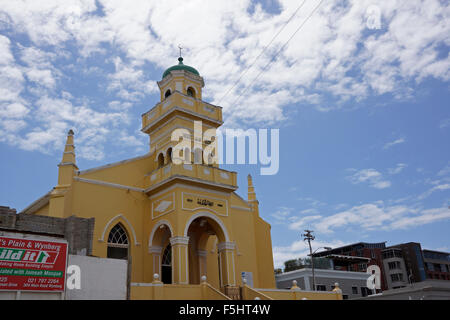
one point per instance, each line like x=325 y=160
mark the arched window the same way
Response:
x=187 y=155
x=167 y=256
x=166 y=265
x=211 y=158
x=191 y=92
x=168 y=93
x=160 y=160
x=118 y=243
x=169 y=155
x=198 y=156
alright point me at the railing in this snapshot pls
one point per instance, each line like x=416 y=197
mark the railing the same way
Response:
x=248 y=293
x=227 y=179
x=280 y=294
x=159 y=291
x=295 y=293
x=183 y=101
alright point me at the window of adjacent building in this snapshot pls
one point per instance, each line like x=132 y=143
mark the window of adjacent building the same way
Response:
x=397 y=277
x=355 y=290
x=364 y=291
x=394 y=265
x=168 y=93
x=362 y=267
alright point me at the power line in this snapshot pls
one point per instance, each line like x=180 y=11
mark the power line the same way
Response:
x=271 y=60
x=263 y=50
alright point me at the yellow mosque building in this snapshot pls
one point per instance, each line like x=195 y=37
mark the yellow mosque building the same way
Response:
x=184 y=230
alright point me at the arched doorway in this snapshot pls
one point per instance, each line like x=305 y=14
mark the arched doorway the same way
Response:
x=118 y=243
x=161 y=249
x=209 y=252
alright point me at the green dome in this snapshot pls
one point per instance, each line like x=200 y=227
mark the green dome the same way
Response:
x=180 y=66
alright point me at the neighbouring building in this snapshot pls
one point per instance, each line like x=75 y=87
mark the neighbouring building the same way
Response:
x=353 y=284
x=413 y=261
x=395 y=268
x=357 y=257
x=437 y=264
x=179 y=221
x=408 y=263
x=424 y=290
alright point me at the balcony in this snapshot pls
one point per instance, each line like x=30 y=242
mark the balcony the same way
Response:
x=182 y=102
x=194 y=173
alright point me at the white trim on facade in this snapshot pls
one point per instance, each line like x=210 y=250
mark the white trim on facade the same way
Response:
x=102 y=239
x=108 y=184
x=207 y=215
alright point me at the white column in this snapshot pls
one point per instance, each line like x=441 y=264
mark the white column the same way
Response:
x=156 y=253
x=226 y=263
x=180 y=260
x=202 y=254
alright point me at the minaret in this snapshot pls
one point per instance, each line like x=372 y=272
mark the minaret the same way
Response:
x=66 y=171
x=251 y=195
x=68 y=164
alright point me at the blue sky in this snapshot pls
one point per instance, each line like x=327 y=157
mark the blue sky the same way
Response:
x=360 y=95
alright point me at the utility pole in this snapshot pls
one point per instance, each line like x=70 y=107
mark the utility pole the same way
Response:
x=308 y=237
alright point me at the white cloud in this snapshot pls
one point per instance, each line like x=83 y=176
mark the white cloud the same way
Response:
x=399 y=168
x=440 y=187
x=373 y=216
x=13 y=110
x=129 y=82
x=393 y=143
x=330 y=55
x=445 y=171
x=282 y=214
x=300 y=249
x=444 y=123
x=371 y=176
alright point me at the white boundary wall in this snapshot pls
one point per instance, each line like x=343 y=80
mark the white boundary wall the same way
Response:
x=101 y=279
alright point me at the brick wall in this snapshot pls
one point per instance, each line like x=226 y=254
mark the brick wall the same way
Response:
x=77 y=231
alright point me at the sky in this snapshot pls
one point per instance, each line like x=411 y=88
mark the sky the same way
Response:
x=359 y=91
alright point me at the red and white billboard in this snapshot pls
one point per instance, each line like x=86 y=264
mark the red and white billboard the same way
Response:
x=32 y=264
